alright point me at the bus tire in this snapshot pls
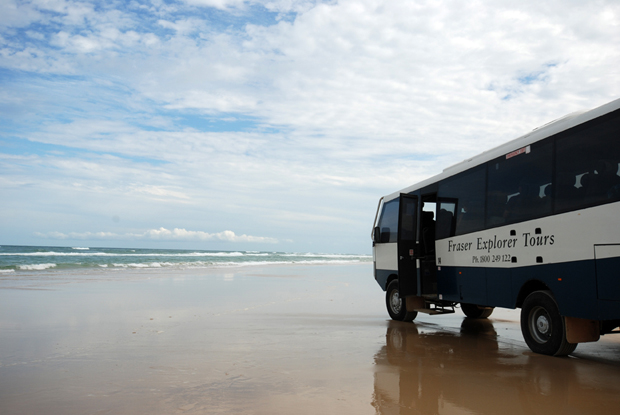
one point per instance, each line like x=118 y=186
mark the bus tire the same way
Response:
x=395 y=306
x=543 y=327
x=474 y=311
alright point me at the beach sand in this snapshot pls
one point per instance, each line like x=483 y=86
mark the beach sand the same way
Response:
x=302 y=339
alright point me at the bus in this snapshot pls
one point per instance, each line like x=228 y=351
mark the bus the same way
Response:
x=531 y=224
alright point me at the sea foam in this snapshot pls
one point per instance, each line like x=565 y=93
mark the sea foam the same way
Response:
x=36 y=267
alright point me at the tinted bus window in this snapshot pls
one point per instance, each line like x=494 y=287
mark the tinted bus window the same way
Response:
x=587 y=165
x=388 y=222
x=446 y=219
x=519 y=185
x=408 y=220
x=467 y=192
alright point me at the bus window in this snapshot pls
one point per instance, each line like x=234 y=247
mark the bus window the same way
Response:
x=388 y=221
x=446 y=219
x=428 y=227
x=587 y=166
x=468 y=191
x=517 y=186
x=408 y=220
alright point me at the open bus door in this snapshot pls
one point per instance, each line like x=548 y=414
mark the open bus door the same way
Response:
x=417 y=264
x=417 y=268
x=407 y=246
x=428 y=262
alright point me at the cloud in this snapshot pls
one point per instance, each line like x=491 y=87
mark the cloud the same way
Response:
x=161 y=234
x=218 y=4
x=284 y=118
x=348 y=69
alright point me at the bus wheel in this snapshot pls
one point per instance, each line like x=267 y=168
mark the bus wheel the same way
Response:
x=543 y=327
x=474 y=311
x=395 y=305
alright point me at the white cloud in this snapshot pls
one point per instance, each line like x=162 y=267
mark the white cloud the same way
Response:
x=218 y=4
x=15 y=14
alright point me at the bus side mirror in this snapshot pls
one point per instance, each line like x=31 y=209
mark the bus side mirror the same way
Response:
x=376 y=235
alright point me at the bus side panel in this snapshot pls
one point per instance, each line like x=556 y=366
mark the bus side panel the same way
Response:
x=573 y=285
x=608 y=281
x=473 y=285
x=463 y=284
x=608 y=275
x=382 y=276
x=447 y=283
x=499 y=288
x=608 y=271
x=386 y=262
x=609 y=310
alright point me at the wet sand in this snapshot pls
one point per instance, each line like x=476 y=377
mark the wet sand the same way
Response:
x=274 y=340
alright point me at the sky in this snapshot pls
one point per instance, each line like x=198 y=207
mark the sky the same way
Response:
x=271 y=125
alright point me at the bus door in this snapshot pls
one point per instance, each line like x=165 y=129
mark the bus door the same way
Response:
x=428 y=265
x=407 y=247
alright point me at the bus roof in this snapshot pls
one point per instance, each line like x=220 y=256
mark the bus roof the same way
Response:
x=537 y=134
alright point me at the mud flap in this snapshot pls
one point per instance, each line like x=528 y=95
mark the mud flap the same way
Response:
x=581 y=330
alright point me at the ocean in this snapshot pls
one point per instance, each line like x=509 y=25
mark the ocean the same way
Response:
x=45 y=259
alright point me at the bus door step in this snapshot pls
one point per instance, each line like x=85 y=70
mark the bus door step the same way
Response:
x=435 y=310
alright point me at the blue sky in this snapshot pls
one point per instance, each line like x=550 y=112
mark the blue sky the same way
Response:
x=269 y=125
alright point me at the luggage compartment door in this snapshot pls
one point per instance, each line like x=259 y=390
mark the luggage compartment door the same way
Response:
x=607 y=259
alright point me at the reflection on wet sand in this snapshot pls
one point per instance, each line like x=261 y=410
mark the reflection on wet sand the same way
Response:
x=422 y=370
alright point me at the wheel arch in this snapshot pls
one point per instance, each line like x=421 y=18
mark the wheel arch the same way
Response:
x=528 y=288
x=390 y=278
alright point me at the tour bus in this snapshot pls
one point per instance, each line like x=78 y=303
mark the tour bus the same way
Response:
x=531 y=224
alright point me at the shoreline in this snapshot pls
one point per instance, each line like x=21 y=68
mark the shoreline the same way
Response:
x=33 y=260
x=17 y=279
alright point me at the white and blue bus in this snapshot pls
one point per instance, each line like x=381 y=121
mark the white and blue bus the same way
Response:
x=532 y=224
